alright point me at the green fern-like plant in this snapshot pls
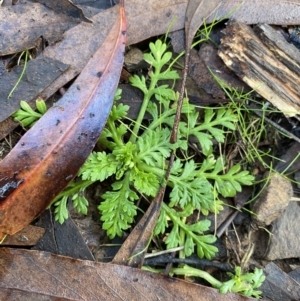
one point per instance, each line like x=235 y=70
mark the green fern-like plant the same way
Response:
x=135 y=159
x=138 y=163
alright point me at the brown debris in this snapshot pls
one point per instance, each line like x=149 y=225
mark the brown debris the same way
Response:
x=36 y=275
x=29 y=236
x=266 y=65
x=202 y=77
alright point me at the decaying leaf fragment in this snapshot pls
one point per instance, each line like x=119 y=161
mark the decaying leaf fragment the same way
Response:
x=49 y=155
x=66 y=7
x=33 y=275
x=23 y=25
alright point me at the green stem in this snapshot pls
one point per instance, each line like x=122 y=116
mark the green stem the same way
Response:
x=182 y=240
x=192 y=272
x=159 y=172
x=70 y=191
x=139 y=119
x=21 y=75
x=147 y=97
x=113 y=130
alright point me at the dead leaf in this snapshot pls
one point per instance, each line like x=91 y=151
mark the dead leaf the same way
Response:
x=23 y=25
x=29 y=236
x=62 y=239
x=278 y=12
x=40 y=274
x=155 y=12
x=81 y=41
x=38 y=75
x=49 y=155
x=66 y=7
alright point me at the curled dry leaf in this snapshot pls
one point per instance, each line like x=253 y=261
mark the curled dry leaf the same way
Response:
x=49 y=155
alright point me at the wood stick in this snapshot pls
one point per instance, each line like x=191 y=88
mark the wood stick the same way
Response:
x=266 y=62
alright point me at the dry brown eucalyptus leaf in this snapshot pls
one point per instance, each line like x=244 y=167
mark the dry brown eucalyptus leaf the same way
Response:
x=50 y=154
x=33 y=275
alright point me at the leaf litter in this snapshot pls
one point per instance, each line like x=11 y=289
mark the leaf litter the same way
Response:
x=286 y=5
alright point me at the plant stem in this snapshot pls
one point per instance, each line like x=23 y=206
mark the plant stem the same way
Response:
x=189 y=271
x=113 y=130
x=159 y=172
x=21 y=75
x=182 y=240
x=154 y=79
x=139 y=119
x=72 y=190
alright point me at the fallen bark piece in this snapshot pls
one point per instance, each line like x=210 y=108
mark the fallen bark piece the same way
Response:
x=269 y=65
x=36 y=274
x=50 y=154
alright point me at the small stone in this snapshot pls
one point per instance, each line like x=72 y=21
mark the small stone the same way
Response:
x=285 y=239
x=134 y=60
x=273 y=200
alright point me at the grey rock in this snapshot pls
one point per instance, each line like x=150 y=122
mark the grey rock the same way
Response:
x=279 y=286
x=285 y=239
x=273 y=200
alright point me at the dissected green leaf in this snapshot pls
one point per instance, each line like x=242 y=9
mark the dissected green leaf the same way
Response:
x=27 y=116
x=99 y=166
x=118 y=209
